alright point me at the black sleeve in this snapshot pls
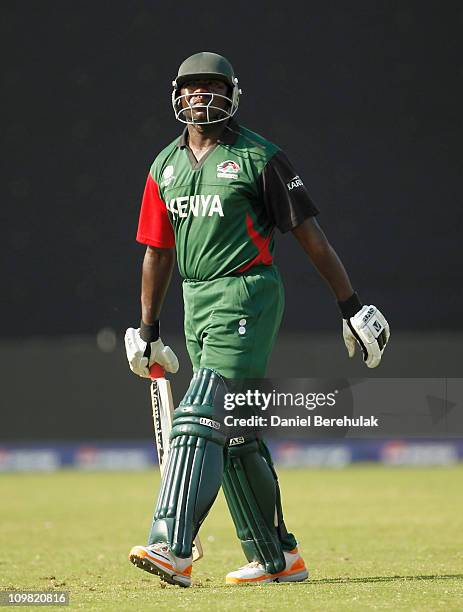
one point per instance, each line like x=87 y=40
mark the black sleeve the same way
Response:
x=286 y=199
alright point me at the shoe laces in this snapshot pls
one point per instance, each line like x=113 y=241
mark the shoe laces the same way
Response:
x=159 y=547
x=252 y=565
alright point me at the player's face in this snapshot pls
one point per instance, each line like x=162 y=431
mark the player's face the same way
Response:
x=201 y=93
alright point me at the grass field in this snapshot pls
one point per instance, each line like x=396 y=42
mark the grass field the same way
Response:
x=373 y=538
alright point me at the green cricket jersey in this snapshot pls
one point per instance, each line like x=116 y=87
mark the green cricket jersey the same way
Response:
x=221 y=212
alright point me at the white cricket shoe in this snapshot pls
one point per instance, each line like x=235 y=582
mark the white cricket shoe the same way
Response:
x=158 y=559
x=255 y=572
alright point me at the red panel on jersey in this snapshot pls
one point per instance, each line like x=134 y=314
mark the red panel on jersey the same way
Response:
x=261 y=242
x=154 y=226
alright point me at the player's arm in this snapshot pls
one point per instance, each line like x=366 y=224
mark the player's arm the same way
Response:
x=144 y=345
x=364 y=325
x=156 y=274
x=325 y=259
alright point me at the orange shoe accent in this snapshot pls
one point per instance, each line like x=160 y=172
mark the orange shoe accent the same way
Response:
x=235 y=580
x=186 y=571
x=297 y=565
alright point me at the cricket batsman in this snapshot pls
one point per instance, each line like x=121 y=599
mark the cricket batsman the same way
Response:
x=213 y=198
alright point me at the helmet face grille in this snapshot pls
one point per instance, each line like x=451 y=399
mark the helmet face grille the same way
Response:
x=185 y=114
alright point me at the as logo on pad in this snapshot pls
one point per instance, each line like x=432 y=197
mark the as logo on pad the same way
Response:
x=228 y=169
x=236 y=441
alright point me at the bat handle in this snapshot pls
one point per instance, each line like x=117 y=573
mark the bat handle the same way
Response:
x=157 y=371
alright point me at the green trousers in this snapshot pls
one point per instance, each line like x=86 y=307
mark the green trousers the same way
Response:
x=231 y=323
x=230 y=326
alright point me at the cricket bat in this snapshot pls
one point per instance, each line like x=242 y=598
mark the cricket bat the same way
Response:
x=163 y=407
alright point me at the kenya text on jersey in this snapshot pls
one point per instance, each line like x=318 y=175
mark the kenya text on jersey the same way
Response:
x=196 y=205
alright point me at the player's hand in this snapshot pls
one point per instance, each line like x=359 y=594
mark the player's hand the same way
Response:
x=370 y=330
x=141 y=355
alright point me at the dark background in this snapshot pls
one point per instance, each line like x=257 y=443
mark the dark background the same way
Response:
x=365 y=98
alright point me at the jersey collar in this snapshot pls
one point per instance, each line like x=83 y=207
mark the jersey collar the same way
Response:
x=229 y=136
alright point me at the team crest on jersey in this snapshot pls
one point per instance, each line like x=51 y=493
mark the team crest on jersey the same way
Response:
x=167 y=176
x=228 y=169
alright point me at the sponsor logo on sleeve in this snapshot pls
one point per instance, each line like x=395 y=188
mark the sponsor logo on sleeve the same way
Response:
x=228 y=169
x=294 y=182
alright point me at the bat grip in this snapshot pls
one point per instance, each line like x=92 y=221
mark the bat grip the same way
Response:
x=157 y=371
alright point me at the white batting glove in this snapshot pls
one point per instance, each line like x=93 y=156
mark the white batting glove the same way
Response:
x=368 y=328
x=141 y=355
